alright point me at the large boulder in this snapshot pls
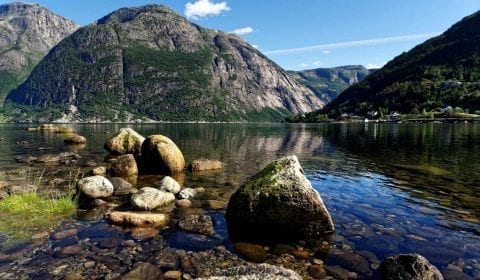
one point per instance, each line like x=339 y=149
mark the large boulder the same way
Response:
x=95 y=186
x=161 y=155
x=278 y=202
x=168 y=184
x=150 y=198
x=124 y=166
x=408 y=266
x=125 y=141
x=255 y=272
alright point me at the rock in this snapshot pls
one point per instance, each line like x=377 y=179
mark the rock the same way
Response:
x=172 y=274
x=281 y=249
x=124 y=166
x=142 y=233
x=150 y=198
x=183 y=203
x=40 y=235
x=60 y=158
x=215 y=205
x=101 y=170
x=160 y=154
x=48 y=127
x=95 y=186
x=89 y=264
x=255 y=272
x=138 y=219
x=75 y=139
x=349 y=260
x=317 y=272
x=168 y=184
x=251 y=252
x=32 y=128
x=278 y=202
x=25 y=159
x=143 y=271
x=65 y=234
x=70 y=251
x=74 y=276
x=22 y=189
x=301 y=254
x=65 y=130
x=125 y=141
x=340 y=273
x=122 y=187
x=199 y=224
x=167 y=259
x=187 y=193
x=205 y=164
x=408 y=266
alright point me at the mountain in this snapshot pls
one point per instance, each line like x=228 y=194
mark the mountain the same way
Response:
x=328 y=83
x=27 y=33
x=443 y=71
x=150 y=63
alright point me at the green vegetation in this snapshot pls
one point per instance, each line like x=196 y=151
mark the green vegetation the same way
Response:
x=443 y=71
x=21 y=215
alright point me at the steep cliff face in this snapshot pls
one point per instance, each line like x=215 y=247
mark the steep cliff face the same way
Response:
x=328 y=83
x=149 y=62
x=27 y=33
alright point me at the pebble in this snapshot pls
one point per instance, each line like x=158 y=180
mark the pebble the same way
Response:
x=89 y=264
x=317 y=261
x=172 y=274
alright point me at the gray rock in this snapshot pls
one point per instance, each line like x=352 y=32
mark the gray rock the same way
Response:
x=122 y=187
x=125 y=141
x=168 y=184
x=187 y=193
x=22 y=189
x=150 y=198
x=279 y=202
x=199 y=224
x=255 y=272
x=95 y=186
x=408 y=266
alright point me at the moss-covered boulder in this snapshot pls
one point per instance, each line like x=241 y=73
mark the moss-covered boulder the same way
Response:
x=161 y=155
x=278 y=203
x=125 y=141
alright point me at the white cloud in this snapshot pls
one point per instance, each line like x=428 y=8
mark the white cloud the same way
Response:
x=374 y=66
x=316 y=63
x=304 y=65
x=326 y=52
x=351 y=44
x=242 y=31
x=203 y=8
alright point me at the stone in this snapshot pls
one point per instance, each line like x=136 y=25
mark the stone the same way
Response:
x=65 y=234
x=138 y=219
x=167 y=259
x=340 y=273
x=172 y=274
x=143 y=271
x=95 y=186
x=168 y=184
x=122 y=187
x=301 y=254
x=215 y=204
x=255 y=272
x=205 y=164
x=250 y=252
x=75 y=139
x=89 y=264
x=40 y=235
x=408 y=266
x=183 y=203
x=280 y=249
x=187 y=193
x=144 y=233
x=278 y=202
x=199 y=224
x=65 y=130
x=74 y=276
x=349 y=260
x=161 y=155
x=124 y=166
x=317 y=272
x=60 y=158
x=22 y=189
x=150 y=198
x=125 y=141
x=101 y=170
x=70 y=251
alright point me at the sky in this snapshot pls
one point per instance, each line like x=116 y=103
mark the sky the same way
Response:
x=308 y=33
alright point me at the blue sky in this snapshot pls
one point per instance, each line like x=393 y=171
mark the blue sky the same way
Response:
x=307 y=33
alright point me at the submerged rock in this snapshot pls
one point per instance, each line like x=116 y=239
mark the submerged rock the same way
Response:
x=138 y=219
x=143 y=271
x=168 y=184
x=124 y=166
x=278 y=202
x=408 y=266
x=75 y=139
x=160 y=154
x=95 y=186
x=65 y=130
x=205 y=164
x=125 y=141
x=200 y=224
x=150 y=198
x=65 y=158
x=255 y=272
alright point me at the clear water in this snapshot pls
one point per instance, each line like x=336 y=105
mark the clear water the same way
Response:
x=391 y=188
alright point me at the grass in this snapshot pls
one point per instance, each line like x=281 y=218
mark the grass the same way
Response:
x=24 y=214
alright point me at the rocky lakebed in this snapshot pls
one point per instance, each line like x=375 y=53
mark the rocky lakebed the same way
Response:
x=140 y=215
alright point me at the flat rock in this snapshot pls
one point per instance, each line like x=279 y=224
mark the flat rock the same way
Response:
x=205 y=164
x=255 y=272
x=137 y=219
x=199 y=224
